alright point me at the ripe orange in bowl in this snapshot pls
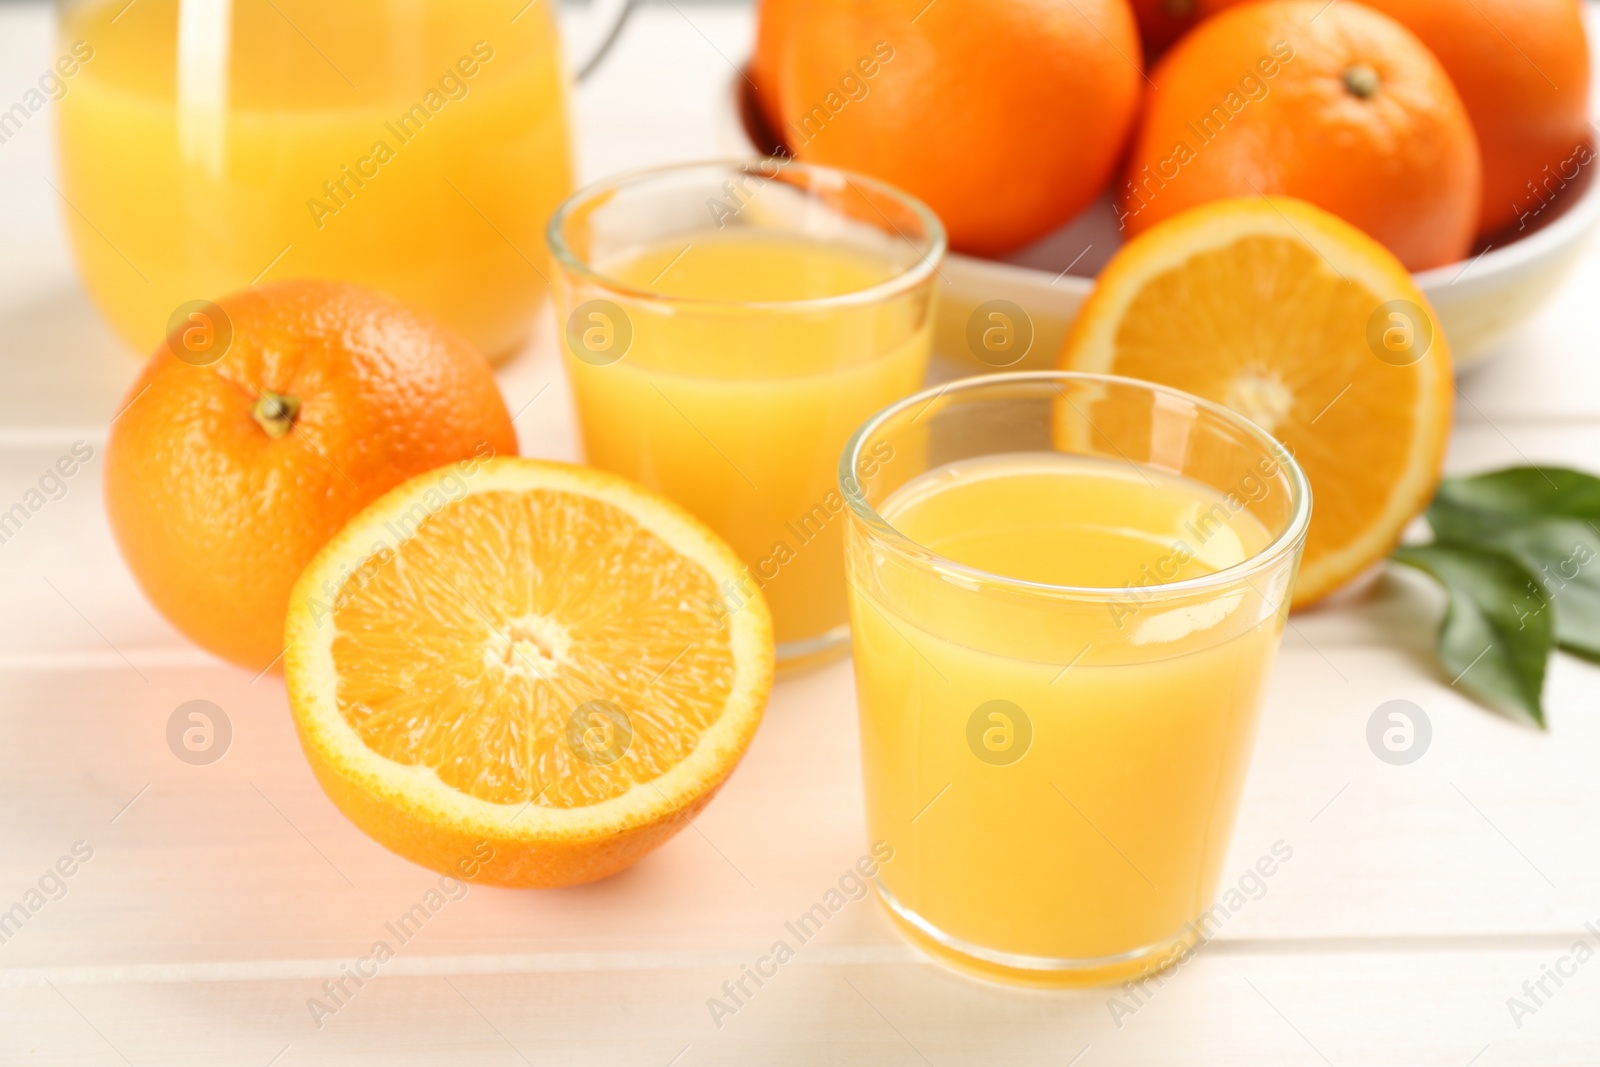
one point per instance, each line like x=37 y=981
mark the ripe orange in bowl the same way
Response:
x=1309 y=328
x=526 y=672
x=1334 y=104
x=1522 y=69
x=1006 y=117
x=227 y=472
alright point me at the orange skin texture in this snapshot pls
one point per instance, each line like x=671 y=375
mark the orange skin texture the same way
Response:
x=1528 y=99
x=1524 y=122
x=1006 y=117
x=517 y=864
x=215 y=518
x=1401 y=165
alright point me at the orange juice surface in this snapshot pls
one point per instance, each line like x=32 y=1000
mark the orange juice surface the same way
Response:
x=1057 y=776
x=736 y=403
x=414 y=147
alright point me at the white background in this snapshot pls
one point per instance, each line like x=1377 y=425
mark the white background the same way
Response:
x=220 y=898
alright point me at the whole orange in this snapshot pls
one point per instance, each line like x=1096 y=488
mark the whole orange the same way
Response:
x=1007 y=117
x=1522 y=69
x=1337 y=105
x=223 y=479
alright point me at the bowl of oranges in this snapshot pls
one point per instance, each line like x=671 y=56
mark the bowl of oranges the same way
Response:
x=1455 y=133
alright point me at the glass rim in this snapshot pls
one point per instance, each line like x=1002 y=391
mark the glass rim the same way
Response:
x=937 y=240
x=1285 y=541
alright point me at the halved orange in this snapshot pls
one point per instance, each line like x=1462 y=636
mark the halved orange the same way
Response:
x=525 y=673
x=1305 y=325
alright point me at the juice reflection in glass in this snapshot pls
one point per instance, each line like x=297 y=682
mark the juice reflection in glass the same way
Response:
x=1067 y=593
x=416 y=147
x=727 y=327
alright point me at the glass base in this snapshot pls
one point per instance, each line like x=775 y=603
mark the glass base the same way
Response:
x=1016 y=969
x=796 y=657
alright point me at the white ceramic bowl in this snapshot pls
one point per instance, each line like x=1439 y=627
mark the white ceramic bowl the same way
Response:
x=1480 y=301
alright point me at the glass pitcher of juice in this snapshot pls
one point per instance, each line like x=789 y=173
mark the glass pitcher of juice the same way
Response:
x=415 y=146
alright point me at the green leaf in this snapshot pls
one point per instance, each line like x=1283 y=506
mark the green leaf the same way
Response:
x=1549 y=521
x=1524 y=494
x=1497 y=632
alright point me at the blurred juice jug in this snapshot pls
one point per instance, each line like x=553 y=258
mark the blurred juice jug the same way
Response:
x=414 y=146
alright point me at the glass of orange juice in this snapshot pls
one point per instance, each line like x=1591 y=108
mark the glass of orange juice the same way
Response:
x=727 y=326
x=1066 y=594
x=415 y=146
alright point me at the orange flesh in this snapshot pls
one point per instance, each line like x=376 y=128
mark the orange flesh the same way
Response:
x=1283 y=358
x=470 y=648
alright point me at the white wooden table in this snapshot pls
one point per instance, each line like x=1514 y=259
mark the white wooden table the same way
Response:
x=219 y=899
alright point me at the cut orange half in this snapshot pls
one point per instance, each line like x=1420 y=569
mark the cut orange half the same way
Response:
x=525 y=673
x=1308 y=327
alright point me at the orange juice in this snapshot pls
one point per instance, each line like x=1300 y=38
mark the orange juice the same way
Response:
x=414 y=147
x=1058 y=780
x=734 y=398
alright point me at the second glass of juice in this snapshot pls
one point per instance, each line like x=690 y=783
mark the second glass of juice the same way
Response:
x=1067 y=592
x=726 y=327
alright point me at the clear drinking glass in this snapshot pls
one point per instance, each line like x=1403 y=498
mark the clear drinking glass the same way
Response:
x=1066 y=595
x=727 y=325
